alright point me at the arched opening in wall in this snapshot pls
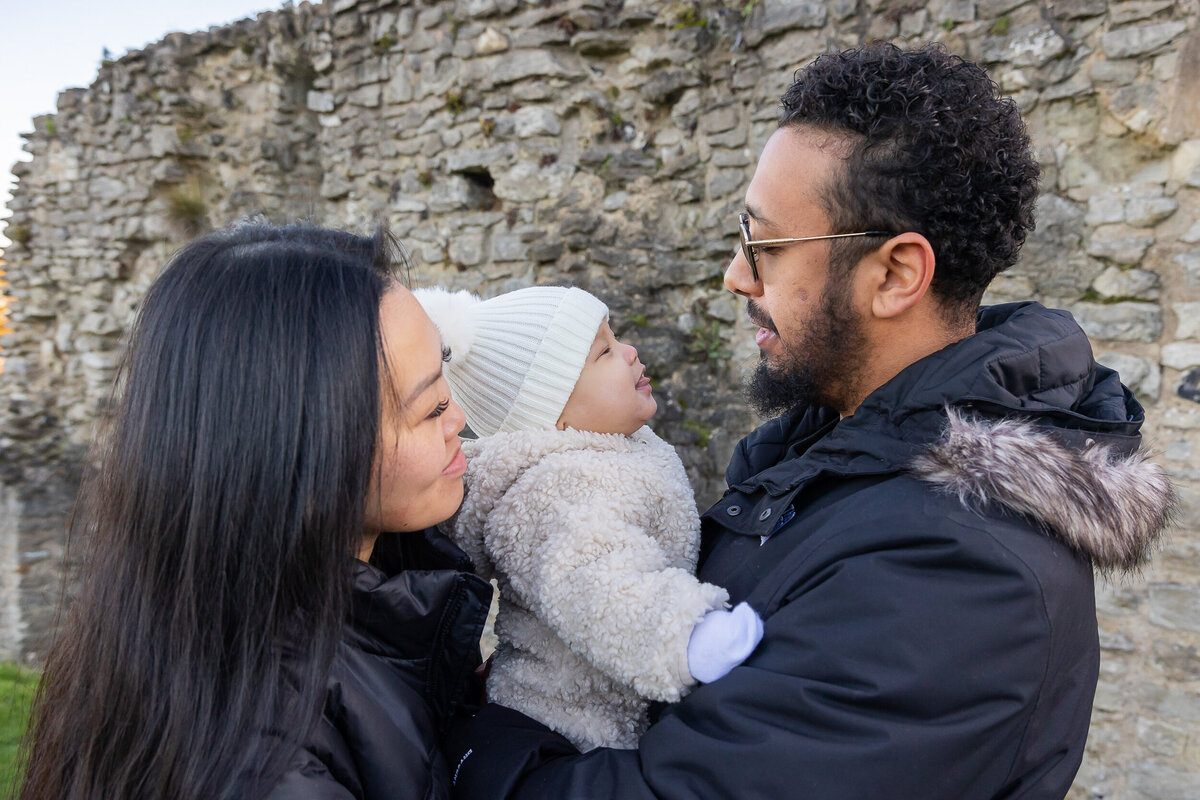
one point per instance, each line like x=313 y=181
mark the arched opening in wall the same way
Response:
x=480 y=190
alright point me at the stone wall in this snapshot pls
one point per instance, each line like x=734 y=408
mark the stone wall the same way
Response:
x=607 y=145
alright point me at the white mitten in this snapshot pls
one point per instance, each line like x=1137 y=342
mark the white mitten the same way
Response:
x=722 y=640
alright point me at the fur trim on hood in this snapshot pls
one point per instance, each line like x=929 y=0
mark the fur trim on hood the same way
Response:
x=1111 y=508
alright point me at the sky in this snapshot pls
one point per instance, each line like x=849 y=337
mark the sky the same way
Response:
x=50 y=45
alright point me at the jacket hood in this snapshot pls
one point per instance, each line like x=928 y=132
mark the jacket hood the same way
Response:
x=1111 y=507
x=1018 y=415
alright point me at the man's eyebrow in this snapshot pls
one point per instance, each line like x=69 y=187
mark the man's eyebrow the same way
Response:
x=757 y=215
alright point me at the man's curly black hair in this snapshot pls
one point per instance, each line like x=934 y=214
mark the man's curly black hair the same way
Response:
x=933 y=148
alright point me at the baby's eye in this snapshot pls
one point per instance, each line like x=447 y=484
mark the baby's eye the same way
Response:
x=441 y=409
x=446 y=354
x=604 y=352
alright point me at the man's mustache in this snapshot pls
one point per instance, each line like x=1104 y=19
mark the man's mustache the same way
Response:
x=759 y=317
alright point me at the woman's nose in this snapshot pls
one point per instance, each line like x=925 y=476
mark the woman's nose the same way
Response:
x=455 y=419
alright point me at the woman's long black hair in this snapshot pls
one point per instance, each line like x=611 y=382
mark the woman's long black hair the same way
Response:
x=219 y=521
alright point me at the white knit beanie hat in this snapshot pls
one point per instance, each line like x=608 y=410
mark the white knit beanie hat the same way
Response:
x=514 y=359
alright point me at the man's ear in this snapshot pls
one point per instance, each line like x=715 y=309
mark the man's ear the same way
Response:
x=903 y=270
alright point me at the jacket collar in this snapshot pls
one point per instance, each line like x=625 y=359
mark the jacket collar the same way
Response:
x=949 y=419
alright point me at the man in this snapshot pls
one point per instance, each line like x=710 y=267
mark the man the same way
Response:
x=919 y=526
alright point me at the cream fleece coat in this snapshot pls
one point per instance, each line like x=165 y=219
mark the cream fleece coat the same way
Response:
x=593 y=540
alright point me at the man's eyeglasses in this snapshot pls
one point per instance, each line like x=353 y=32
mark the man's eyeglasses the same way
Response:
x=749 y=244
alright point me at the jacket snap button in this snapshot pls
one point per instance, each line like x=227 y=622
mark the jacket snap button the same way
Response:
x=766 y=513
x=733 y=511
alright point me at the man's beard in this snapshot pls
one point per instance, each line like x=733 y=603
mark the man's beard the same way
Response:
x=819 y=369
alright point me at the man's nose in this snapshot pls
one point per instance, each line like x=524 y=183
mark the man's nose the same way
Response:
x=738 y=278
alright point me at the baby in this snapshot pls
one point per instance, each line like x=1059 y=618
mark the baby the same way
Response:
x=584 y=517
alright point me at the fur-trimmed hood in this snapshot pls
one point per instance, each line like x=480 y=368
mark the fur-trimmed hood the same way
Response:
x=1109 y=506
x=1017 y=416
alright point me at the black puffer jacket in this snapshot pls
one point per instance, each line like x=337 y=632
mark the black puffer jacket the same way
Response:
x=924 y=571
x=405 y=660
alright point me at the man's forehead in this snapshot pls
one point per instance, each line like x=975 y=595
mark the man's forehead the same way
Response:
x=791 y=173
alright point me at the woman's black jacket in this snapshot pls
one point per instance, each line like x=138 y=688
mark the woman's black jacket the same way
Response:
x=407 y=656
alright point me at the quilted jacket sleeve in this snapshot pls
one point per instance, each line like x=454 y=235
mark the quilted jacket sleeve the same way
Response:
x=580 y=556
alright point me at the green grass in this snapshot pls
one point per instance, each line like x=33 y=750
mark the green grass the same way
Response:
x=16 y=693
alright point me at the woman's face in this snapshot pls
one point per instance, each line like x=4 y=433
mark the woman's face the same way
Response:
x=419 y=462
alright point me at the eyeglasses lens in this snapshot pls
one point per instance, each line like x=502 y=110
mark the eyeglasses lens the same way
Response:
x=747 y=249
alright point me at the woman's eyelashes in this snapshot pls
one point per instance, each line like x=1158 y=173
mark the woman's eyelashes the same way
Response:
x=440 y=409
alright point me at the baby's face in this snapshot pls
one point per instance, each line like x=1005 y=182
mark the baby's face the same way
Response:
x=612 y=394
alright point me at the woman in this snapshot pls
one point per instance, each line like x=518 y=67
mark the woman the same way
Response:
x=281 y=421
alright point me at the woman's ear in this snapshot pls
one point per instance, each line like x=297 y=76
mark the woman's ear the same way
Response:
x=904 y=268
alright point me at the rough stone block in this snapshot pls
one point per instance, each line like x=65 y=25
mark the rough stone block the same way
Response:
x=365 y=96
x=466 y=249
x=516 y=66
x=731 y=158
x=1120 y=244
x=1190 y=262
x=1175 y=606
x=1024 y=46
x=473 y=160
x=1124 y=13
x=1192 y=235
x=1118 y=73
x=720 y=120
x=1161 y=738
x=666 y=84
x=771 y=17
x=1181 y=355
x=1120 y=322
x=1156 y=782
x=1145 y=212
x=1077 y=9
x=1105 y=208
x=527 y=182
x=509 y=247
x=956 y=11
x=320 y=101
x=727 y=182
x=1128 y=284
x=1139 y=40
x=106 y=189
x=491 y=41
x=476 y=8
x=535 y=121
x=1178 y=662
x=1188 y=316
